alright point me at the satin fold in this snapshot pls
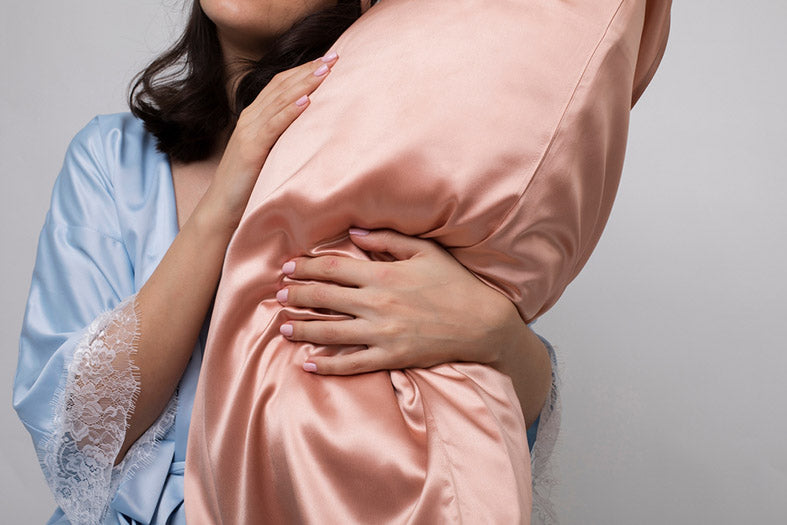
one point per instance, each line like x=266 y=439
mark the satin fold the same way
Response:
x=497 y=129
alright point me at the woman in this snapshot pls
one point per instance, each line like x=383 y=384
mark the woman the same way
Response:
x=132 y=250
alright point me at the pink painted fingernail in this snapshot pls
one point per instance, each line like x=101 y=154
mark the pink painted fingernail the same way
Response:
x=282 y=295
x=288 y=267
x=286 y=330
x=330 y=56
x=309 y=367
x=302 y=101
x=358 y=231
x=321 y=70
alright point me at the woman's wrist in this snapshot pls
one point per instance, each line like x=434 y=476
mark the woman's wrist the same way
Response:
x=525 y=359
x=506 y=332
x=212 y=218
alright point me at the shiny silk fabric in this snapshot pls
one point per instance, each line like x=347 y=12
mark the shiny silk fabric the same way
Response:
x=496 y=128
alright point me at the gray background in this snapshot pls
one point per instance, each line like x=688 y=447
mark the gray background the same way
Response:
x=673 y=335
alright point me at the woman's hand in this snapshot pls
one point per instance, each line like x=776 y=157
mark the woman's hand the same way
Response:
x=257 y=130
x=418 y=311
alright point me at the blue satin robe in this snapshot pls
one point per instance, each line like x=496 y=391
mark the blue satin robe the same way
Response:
x=112 y=218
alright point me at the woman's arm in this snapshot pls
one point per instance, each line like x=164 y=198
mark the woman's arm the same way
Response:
x=173 y=303
x=171 y=307
x=526 y=361
x=99 y=360
x=419 y=311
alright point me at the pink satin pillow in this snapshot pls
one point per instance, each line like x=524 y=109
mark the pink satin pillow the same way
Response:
x=498 y=129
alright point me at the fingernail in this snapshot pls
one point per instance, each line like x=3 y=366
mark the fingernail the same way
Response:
x=358 y=231
x=321 y=70
x=302 y=101
x=282 y=294
x=286 y=330
x=330 y=56
x=288 y=267
x=309 y=367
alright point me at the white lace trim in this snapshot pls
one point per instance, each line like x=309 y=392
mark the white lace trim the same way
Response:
x=541 y=459
x=91 y=418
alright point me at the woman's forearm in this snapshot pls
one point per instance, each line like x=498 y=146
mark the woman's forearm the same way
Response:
x=526 y=361
x=171 y=307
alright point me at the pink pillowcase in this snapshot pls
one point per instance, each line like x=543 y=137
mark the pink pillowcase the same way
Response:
x=497 y=129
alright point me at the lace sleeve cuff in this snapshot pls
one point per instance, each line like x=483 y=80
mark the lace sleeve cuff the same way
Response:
x=91 y=417
x=541 y=460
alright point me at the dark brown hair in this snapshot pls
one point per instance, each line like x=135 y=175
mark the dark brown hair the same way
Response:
x=181 y=96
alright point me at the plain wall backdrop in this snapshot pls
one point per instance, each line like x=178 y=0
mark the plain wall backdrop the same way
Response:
x=672 y=337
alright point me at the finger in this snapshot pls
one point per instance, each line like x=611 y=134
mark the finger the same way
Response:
x=360 y=362
x=344 y=332
x=292 y=75
x=328 y=58
x=303 y=81
x=278 y=105
x=397 y=244
x=322 y=295
x=273 y=127
x=342 y=270
x=283 y=90
x=287 y=105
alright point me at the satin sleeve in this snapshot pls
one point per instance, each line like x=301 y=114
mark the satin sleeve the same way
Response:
x=76 y=382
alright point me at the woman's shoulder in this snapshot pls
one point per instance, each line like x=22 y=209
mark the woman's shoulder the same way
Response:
x=105 y=127
x=120 y=125
x=115 y=134
x=108 y=139
x=111 y=159
x=112 y=147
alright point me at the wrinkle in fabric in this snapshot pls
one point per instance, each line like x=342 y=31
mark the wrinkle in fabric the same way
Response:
x=497 y=129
